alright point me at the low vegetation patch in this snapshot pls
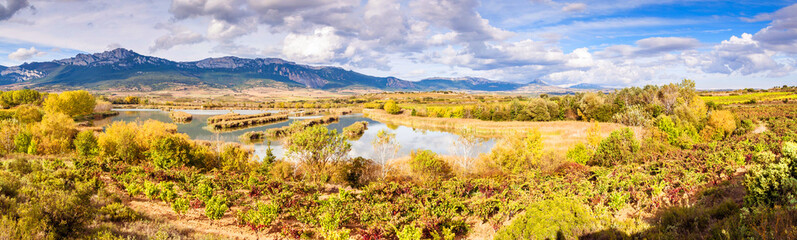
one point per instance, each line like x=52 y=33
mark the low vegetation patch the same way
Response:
x=355 y=130
x=180 y=116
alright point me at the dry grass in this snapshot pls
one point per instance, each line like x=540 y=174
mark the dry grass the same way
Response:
x=556 y=135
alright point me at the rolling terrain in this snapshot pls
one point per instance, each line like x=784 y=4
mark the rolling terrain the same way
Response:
x=122 y=69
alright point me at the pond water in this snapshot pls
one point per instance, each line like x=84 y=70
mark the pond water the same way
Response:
x=408 y=138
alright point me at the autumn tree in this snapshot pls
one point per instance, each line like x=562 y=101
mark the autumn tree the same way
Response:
x=71 y=103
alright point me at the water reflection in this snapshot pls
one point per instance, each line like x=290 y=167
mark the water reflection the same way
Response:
x=410 y=139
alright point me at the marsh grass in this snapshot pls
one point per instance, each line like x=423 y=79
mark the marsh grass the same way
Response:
x=180 y=116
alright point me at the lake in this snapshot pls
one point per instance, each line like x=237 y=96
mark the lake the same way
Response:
x=408 y=138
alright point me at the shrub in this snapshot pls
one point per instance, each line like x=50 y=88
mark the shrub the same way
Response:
x=356 y=173
x=282 y=170
x=770 y=184
x=86 y=144
x=180 y=205
x=27 y=114
x=170 y=151
x=518 y=152
x=216 y=207
x=620 y=147
x=409 y=232
x=22 y=141
x=547 y=219
x=316 y=148
x=579 y=154
x=204 y=191
x=54 y=134
x=429 y=166
x=8 y=132
x=392 y=108
x=261 y=216
x=151 y=190
x=117 y=212
x=119 y=141
x=679 y=133
x=723 y=120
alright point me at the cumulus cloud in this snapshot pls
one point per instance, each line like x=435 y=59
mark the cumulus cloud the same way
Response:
x=574 y=7
x=176 y=36
x=319 y=47
x=11 y=7
x=781 y=34
x=744 y=55
x=461 y=17
x=23 y=54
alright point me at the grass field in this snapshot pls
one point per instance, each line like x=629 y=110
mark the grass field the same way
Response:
x=734 y=98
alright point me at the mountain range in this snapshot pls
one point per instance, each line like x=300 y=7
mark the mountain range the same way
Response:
x=124 y=69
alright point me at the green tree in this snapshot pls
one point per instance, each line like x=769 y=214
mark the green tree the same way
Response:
x=316 y=148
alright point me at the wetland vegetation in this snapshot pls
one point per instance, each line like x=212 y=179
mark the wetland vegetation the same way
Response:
x=657 y=162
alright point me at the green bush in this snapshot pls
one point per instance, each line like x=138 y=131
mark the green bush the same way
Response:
x=180 y=205
x=216 y=207
x=86 y=144
x=428 y=166
x=545 y=219
x=620 y=147
x=117 y=212
x=23 y=141
x=151 y=190
x=409 y=232
x=579 y=154
x=770 y=184
x=170 y=151
x=262 y=215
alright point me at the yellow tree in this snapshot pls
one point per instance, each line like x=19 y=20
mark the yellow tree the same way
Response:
x=72 y=103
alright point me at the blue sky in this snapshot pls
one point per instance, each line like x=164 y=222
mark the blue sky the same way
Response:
x=719 y=44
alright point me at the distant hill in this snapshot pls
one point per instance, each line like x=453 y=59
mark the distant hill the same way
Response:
x=124 y=69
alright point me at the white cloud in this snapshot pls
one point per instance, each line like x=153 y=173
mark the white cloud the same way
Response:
x=23 y=54
x=745 y=56
x=177 y=36
x=319 y=47
x=574 y=7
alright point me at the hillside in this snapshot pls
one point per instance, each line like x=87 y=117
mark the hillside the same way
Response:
x=127 y=70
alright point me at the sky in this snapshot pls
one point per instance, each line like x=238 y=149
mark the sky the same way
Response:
x=718 y=44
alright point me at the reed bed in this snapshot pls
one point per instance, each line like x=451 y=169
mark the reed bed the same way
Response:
x=248 y=122
x=180 y=116
x=355 y=130
x=287 y=130
x=308 y=113
x=235 y=117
